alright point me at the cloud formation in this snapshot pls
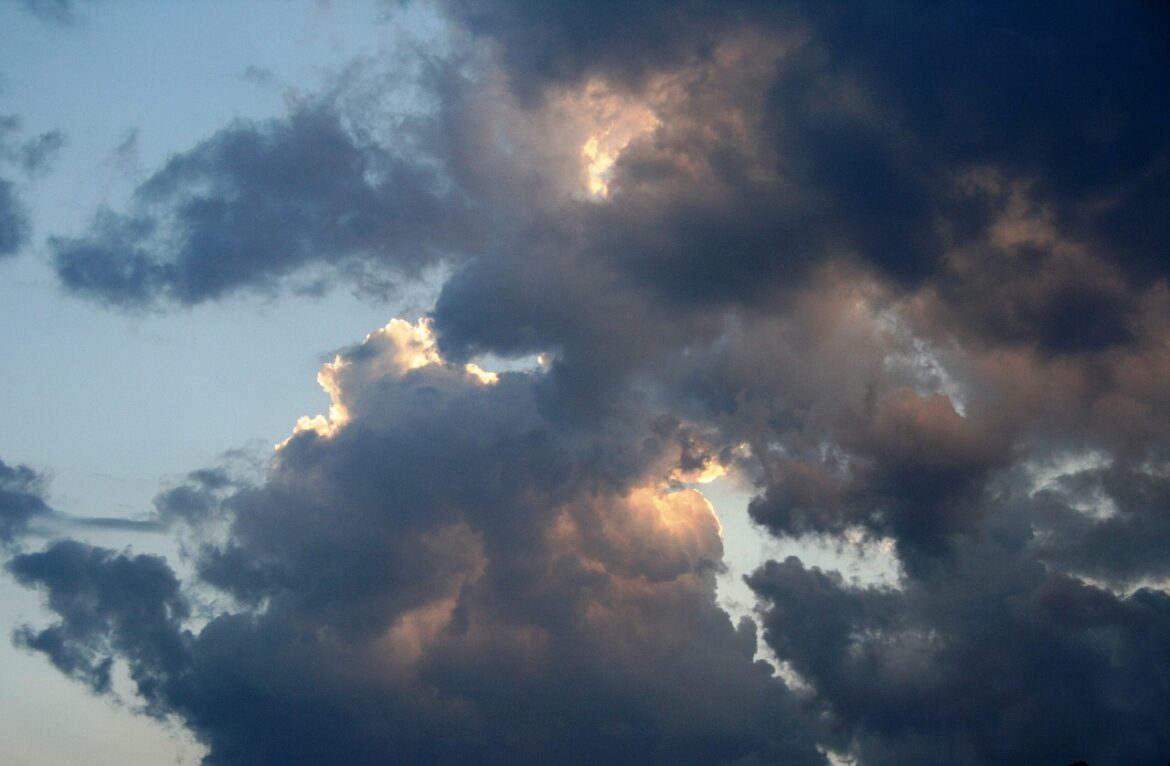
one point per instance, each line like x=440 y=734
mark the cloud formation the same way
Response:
x=255 y=203
x=21 y=501
x=900 y=269
x=445 y=577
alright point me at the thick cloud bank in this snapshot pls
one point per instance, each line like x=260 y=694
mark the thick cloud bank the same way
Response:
x=438 y=574
x=899 y=268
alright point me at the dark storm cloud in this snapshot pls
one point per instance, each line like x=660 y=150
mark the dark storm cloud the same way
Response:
x=1001 y=171
x=37 y=154
x=916 y=473
x=1074 y=97
x=110 y=605
x=256 y=203
x=993 y=661
x=1025 y=295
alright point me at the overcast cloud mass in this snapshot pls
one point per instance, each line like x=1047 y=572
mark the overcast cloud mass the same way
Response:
x=899 y=268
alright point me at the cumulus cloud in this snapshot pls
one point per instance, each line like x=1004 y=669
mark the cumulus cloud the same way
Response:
x=899 y=269
x=443 y=575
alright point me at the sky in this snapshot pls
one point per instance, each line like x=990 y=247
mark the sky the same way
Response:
x=482 y=382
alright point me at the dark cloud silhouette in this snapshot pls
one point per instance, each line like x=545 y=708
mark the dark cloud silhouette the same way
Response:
x=110 y=605
x=993 y=660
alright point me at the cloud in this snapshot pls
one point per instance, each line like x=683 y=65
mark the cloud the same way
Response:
x=254 y=204
x=34 y=157
x=14 y=225
x=26 y=513
x=916 y=472
x=445 y=576
x=110 y=605
x=993 y=659
x=563 y=42
x=61 y=12
x=38 y=153
x=820 y=143
x=898 y=270
x=22 y=500
x=1107 y=523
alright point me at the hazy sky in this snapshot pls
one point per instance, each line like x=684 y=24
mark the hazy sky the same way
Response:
x=506 y=383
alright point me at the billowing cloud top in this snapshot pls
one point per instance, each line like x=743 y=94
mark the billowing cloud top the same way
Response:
x=900 y=268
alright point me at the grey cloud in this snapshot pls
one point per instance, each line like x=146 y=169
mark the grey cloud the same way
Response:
x=450 y=577
x=788 y=138
x=993 y=660
x=37 y=154
x=110 y=605
x=1026 y=295
x=916 y=472
x=254 y=204
x=197 y=500
x=127 y=525
x=33 y=158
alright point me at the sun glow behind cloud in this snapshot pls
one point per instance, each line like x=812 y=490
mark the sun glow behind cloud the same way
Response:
x=408 y=347
x=615 y=122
